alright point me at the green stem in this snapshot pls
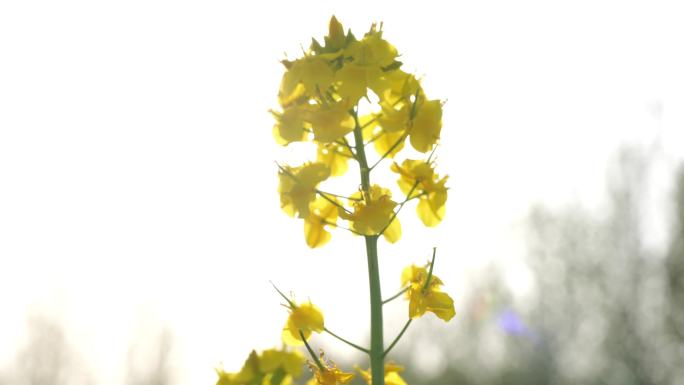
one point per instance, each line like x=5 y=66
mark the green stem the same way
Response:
x=377 y=360
x=377 y=347
x=395 y=296
x=347 y=342
x=311 y=352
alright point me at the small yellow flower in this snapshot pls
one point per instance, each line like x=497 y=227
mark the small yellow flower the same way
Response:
x=298 y=187
x=289 y=125
x=329 y=374
x=430 y=189
x=305 y=318
x=423 y=299
x=391 y=374
x=372 y=214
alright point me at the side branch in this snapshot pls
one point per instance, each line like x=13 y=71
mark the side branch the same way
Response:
x=347 y=342
x=395 y=296
x=401 y=333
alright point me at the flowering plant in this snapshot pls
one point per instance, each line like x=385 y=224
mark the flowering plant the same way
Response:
x=344 y=96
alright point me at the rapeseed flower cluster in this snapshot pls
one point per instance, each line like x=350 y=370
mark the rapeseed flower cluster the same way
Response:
x=342 y=96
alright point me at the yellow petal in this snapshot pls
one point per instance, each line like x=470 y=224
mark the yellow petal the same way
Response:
x=441 y=304
x=393 y=231
x=426 y=126
x=429 y=214
x=315 y=234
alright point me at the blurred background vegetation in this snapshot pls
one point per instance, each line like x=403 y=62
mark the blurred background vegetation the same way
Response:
x=603 y=307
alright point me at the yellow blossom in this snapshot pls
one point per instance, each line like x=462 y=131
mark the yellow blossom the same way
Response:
x=313 y=72
x=373 y=213
x=289 y=125
x=422 y=298
x=372 y=50
x=330 y=122
x=430 y=189
x=330 y=374
x=391 y=374
x=305 y=318
x=322 y=213
x=298 y=187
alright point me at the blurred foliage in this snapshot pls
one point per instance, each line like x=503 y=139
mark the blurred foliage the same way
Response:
x=604 y=308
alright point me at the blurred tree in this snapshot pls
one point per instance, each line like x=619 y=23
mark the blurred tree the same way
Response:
x=48 y=358
x=151 y=358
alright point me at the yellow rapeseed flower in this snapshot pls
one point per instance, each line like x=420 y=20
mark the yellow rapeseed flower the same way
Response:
x=305 y=318
x=373 y=213
x=298 y=187
x=423 y=299
x=330 y=374
x=430 y=189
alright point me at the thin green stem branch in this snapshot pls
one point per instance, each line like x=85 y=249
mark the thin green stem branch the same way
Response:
x=311 y=352
x=390 y=299
x=347 y=342
x=401 y=333
x=432 y=265
x=339 y=196
x=389 y=151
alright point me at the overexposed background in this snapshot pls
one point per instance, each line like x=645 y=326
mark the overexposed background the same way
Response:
x=137 y=175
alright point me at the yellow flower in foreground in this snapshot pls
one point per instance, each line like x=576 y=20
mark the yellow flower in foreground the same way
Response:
x=272 y=366
x=372 y=214
x=430 y=188
x=329 y=375
x=391 y=374
x=423 y=299
x=305 y=318
x=298 y=187
x=322 y=213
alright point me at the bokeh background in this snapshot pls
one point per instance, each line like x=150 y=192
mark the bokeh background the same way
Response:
x=140 y=224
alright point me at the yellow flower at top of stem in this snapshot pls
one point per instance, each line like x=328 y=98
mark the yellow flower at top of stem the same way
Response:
x=426 y=296
x=304 y=319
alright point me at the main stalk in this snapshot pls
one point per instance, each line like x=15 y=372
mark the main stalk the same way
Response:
x=377 y=347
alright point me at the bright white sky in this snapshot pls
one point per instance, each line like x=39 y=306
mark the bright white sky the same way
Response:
x=137 y=166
